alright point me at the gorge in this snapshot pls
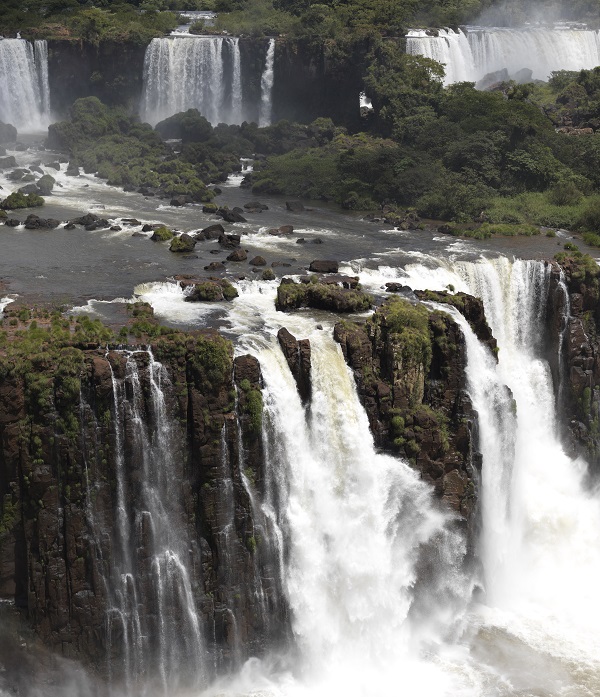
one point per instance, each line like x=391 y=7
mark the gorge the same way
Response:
x=256 y=445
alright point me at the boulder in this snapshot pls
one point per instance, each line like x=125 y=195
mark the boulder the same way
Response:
x=34 y=222
x=230 y=241
x=215 y=266
x=12 y=222
x=8 y=133
x=230 y=216
x=294 y=206
x=183 y=244
x=324 y=266
x=212 y=232
x=28 y=189
x=181 y=200
x=238 y=255
x=255 y=207
x=7 y=162
x=212 y=290
x=45 y=185
x=72 y=170
x=258 y=261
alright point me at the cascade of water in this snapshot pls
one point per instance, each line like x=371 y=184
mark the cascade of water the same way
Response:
x=355 y=524
x=471 y=53
x=266 y=86
x=199 y=72
x=541 y=527
x=24 y=84
x=237 y=101
x=154 y=617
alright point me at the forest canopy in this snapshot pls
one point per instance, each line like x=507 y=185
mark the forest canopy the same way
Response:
x=142 y=19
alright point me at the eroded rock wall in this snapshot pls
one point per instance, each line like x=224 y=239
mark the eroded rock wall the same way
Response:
x=58 y=489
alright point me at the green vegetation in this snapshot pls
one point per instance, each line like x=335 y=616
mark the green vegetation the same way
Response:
x=458 y=154
x=127 y=153
x=162 y=234
x=322 y=296
x=253 y=407
x=17 y=200
x=408 y=327
x=70 y=19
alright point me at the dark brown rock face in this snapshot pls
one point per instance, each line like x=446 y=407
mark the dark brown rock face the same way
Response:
x=573 y=325
x=415 y=400
x=61 y=437
x=297 y=354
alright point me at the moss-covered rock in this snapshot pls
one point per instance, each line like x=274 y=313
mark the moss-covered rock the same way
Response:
x=213 y=290
x=321 y=296
x=18 y=200
x=183 y=244
x=162 y=234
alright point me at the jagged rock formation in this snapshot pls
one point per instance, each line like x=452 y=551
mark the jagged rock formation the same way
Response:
x=409 y=366
x=297 y=354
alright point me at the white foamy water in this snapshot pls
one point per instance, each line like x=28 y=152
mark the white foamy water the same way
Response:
x=25 y=101
x=472 y=52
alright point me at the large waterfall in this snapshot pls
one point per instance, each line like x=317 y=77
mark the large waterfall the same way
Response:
x=204 y=73
x=24 y=86
x=470 y=53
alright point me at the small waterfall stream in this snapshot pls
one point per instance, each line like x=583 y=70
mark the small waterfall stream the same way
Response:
x=470 y=53
x=153 y=622
x=266 y=87
x=24 y=84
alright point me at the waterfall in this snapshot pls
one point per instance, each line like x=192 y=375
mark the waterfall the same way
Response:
x=353 y=526
x=24 y=84
x=201 y=73
x=540 y=543
x=153 y=621
x=266 y=87
x=471 y=53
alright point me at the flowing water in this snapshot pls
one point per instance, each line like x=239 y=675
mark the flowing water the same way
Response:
x=266 y=87
x=25 y=101
x=470 y=53
x=205 y=73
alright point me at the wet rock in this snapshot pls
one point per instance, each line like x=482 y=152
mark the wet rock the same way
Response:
x=231 y=216
x=294 y=206
x=212 y=290
x=213 y=232
x=8 y=162
x=256 y=207
x=297 y=354
x=215 y=266
x=301 y=240
x=238 y=255
x=324 y=266
x=258 y=261
x=8 y=133
x=34 y=222
x=183 y=244
x=229 y=241
x=320 y=296
x=181 y=200
x=12 y=222
x=45 y=185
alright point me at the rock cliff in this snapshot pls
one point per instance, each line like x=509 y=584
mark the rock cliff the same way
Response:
x=70 y=445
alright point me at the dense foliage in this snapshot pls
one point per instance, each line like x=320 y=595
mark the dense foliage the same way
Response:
x=139 y=20
x=459 y=153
